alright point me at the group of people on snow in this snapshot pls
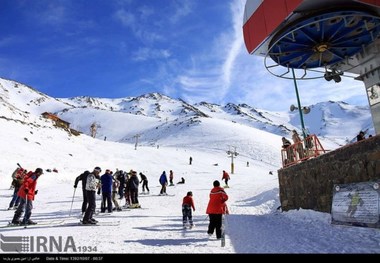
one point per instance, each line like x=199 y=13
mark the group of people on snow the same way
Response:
x=108 y=184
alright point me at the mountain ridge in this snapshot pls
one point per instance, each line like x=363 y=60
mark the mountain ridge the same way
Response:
x=163 y=113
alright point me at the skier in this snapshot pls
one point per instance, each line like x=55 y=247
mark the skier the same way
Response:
x=83 y=177
x=216 y=208
x=120 y=176
x=164 y=182
x=16 y=183
x=187 y=204
x=144 y=181
x=27 y=192
x=190 y=160
x=225 y=177
x=14 y=176
x=106 y=180
x=171 y=177
x=127 y=194
x=115 y=187
x=133 y=184
x=182 y=181
x=91 y=186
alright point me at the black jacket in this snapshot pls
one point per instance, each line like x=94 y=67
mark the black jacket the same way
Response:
x=83 y=178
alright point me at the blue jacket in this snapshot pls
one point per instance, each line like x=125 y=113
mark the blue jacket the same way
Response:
x=106 y=180
x=163 y=179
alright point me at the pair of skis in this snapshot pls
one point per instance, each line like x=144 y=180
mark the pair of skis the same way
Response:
x=43 y=223
x=104 y=223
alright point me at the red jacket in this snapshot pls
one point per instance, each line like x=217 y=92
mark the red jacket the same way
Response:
x=226 y=176
x=30 y=182
x=188 y=200
x=217 y=203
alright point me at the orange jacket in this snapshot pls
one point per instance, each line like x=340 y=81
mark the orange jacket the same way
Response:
x=30 y=182
x=217 y=203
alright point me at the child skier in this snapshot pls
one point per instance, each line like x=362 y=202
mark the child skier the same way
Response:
x=225 y=177
x=187 y=204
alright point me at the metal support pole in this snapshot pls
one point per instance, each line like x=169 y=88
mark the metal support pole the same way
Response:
x=299 y=105
x=232 y=164
x=232 y=154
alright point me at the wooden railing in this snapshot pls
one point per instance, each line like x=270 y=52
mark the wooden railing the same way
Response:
x=301 y=151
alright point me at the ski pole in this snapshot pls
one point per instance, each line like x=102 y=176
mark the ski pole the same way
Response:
x=72 y=201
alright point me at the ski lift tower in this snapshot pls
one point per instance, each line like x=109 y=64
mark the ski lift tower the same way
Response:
x=311 y=39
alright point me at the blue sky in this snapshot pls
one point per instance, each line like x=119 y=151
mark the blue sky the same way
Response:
x=188 y=49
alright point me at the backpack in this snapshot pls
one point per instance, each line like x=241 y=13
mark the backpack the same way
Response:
x=19 y=179
x=19 y=182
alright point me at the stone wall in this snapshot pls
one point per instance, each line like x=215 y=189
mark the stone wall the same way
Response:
x=309 y=184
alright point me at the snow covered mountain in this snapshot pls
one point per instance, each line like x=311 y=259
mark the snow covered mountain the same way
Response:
x=116 y=118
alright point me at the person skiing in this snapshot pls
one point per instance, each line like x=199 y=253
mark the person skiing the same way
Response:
x=83 y=177
x=106 y=180
x=127 y=194
x=187 y=204
x=216 y=208
x=171 y=177
x=91 y=186
x=182 y=181
x=120 y=176
x=133 y=184
x=115 y=187
x=14 y=176
x=16 y=183
x=164 y=182
x=144 y=181
x=225 y=177
x=27 y=193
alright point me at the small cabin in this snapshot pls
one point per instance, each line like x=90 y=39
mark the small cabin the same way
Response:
x=58 y=122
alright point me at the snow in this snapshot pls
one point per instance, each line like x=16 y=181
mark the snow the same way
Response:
x=254 y=225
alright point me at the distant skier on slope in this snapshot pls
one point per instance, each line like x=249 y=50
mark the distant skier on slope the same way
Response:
x=163 y=182
x=171 y=177
x=225 y=177
x=182 y=181
x=144 y=181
